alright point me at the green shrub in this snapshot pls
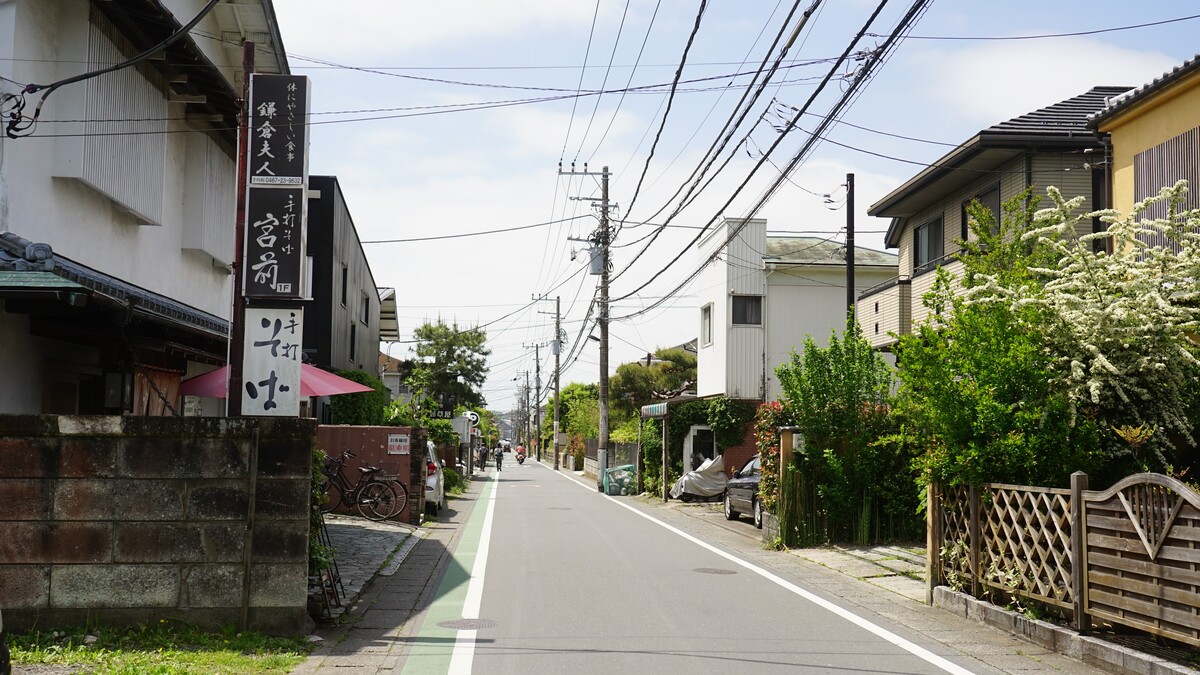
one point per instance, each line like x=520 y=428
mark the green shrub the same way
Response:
x=455 y=483
x=368 y=408
x=320 y=557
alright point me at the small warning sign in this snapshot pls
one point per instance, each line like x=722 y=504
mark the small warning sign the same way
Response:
x=399 y=444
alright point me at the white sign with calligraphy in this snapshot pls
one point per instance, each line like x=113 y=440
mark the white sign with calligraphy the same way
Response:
x=271 y=362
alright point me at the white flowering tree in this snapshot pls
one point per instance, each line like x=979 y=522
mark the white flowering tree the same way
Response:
x=1119 y=325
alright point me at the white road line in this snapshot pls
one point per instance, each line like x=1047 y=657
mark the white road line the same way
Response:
x=914 y=649
x=463 y=657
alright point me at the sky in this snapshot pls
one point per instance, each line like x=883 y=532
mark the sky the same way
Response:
x=447 y=119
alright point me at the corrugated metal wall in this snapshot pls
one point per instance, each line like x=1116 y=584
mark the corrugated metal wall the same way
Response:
x=209 y=201
x=127 y=167
x=1162 y=166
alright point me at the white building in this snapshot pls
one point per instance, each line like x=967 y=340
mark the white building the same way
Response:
x=762 y=296
x=117 y=207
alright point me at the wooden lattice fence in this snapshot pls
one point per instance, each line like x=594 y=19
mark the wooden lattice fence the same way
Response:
x=1129 y=555
x=1143 y=556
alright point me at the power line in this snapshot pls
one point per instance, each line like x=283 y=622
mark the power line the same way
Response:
x=1047 y=35
x=18 y=124
x=876 y=56
x=729 y=128
x=472 y=234
x=812 y=97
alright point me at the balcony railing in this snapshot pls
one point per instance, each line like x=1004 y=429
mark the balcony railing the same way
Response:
x=884 y=285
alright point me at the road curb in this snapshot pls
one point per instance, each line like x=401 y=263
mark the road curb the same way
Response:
x=1092 y=651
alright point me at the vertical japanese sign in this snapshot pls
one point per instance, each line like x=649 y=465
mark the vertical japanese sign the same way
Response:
x=271 y=367
x=274 y=246
x=278 y=135
x=276 y=197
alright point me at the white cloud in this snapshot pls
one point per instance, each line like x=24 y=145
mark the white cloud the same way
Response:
x=996 y=81
x=376 y=27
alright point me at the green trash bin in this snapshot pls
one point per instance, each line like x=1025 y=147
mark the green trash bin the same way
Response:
x=620 y=480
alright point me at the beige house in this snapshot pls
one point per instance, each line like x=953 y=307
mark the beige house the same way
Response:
x=1052 y=146
x=1155 y=133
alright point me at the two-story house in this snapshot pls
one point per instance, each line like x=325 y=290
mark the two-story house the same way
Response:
x=117 y=206
x=1052 y=146
x=760 y=296
x=1154 y=131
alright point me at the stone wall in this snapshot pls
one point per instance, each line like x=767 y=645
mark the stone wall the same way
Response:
x=132 y=519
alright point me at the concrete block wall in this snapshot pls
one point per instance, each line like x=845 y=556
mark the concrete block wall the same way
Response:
x=131 y=519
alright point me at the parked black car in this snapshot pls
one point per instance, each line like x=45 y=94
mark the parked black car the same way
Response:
x=741 y=494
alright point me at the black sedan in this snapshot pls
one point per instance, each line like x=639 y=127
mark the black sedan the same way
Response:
x=741 y=494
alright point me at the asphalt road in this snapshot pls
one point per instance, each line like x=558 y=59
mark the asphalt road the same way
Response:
x=550 y=576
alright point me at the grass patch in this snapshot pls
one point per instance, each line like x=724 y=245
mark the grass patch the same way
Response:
x=168 y=647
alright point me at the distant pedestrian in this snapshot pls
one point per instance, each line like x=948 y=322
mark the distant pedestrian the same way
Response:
x=499 y=452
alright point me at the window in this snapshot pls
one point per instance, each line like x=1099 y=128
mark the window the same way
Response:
x=747 y=310
x=706 y=324
x=364 y=310
x=345 y=282
x=353 y=340
x=927 y=245
x=990 y=199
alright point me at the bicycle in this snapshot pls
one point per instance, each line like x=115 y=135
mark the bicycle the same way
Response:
x=374 y=498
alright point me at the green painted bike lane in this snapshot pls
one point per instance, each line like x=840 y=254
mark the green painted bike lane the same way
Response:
x=434 y=646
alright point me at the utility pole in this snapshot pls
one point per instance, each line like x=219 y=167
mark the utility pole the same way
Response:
x=537 y=400
x=237 y=322
x=602 y=451
x=601 y=239
x=557 y=355
x=850 y=299
x=526 y=410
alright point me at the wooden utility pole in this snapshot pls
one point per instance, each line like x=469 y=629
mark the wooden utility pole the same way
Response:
x=237 y=319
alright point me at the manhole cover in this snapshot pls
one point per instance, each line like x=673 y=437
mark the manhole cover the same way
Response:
x=713 y=570
x=467 y=624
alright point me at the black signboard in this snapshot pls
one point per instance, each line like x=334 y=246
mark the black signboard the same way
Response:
x=278 y=136
x=274 y=242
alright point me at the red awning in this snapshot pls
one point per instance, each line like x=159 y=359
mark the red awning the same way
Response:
x=313 y=382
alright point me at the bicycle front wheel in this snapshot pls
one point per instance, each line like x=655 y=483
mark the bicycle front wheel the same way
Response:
x=376 y=501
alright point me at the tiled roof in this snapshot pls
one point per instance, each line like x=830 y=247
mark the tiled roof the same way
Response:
x=1146 y=90
x=819 y=251
x=1067 y=118
x=20 y=255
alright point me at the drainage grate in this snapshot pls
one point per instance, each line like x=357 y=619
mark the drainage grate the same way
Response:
x=714 y=570
x=467 y=624
x=559 y=508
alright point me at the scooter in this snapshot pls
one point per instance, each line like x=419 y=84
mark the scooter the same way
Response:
x=520 y=458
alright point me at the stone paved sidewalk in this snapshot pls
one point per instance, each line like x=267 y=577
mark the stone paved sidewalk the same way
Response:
x=364 y=548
